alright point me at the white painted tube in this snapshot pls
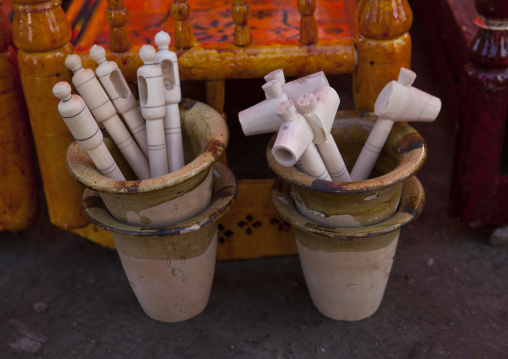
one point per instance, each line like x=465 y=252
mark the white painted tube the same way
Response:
x=88 y=86
x=85 y=130
x=153 y=109
x=168 y=61
x=313 y=165
x=371 y=150
x=333 y=161
x=115 y=85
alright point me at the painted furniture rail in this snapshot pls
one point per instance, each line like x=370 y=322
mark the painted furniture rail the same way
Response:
x=214 y=41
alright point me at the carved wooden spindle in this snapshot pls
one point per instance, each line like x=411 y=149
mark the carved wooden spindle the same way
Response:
x=478 y=193
x=241 y=15
x=383 y=46
x=117 y=16
x=42 y=33
x=184 y=39
x=18 y=184
x=308 y=26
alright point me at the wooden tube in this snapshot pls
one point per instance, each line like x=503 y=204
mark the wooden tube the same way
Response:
x=294 y=139
x=83 y=127
x=115 y=85
x=151 y=98
x=294 y=89
x=172 y=95
x=319 y=110
x=312 y=164
x=97 y=100
x=397 y=102
x=261 y=118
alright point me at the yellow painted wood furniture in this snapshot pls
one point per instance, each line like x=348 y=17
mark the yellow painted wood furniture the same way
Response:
x=215 y=41
x=18 y=183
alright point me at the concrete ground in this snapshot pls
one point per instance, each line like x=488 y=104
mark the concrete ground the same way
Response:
x=62 y=296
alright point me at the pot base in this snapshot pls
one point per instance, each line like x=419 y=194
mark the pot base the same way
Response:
x=347 y=286
x=172 y=290
x=347 y=269
x=170 y=268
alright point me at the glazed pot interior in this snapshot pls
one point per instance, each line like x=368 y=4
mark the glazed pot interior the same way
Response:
x=205 y=136
x=401 y=157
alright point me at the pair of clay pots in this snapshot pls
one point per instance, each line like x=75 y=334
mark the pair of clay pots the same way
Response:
x=165 y=228
x=347 y=233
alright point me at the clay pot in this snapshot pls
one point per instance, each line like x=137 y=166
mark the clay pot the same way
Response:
x=346 y=269
x=362 y=203
x=167 y=199
x=347 y=233
x=165 y=228
x=170 y=268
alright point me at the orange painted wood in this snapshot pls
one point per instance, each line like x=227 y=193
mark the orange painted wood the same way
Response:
x=383 y=46
x=41 y=33
x=215 y=94
x=212 y=22
x=308 y=25
x=241 y=15
x=117 y=16
x=18 y=184
x=210 y=50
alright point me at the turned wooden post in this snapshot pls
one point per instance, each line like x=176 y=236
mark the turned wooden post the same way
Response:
x=18 y=185
x=41 y=32
x=383 y=46
x=241 y=15
x=478 y=193
x=184 y=39
x=117 y=16
x=308 y=26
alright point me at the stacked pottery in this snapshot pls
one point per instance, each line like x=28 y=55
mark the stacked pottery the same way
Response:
x=165 y=228
x=347 y=232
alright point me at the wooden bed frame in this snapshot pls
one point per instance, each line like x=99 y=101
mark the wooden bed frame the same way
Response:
x=306 y=39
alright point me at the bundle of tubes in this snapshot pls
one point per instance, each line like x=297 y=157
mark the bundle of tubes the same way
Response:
x=303 y=112
x=150 y=139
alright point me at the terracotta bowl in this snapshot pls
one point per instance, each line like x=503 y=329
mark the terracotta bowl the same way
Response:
x=167 y=199
x=362 y=203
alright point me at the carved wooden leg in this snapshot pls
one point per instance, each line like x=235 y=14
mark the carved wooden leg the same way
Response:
x=383 y=46
x=41 y=66
x=18 y=185
x=215 y=93
x=479 y=194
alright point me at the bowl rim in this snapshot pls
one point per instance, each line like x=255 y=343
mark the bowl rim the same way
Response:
x=77 y=160
x=223 y=199
x=411 y=204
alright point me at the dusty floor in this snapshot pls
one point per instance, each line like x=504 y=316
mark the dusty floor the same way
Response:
x=446 y=297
